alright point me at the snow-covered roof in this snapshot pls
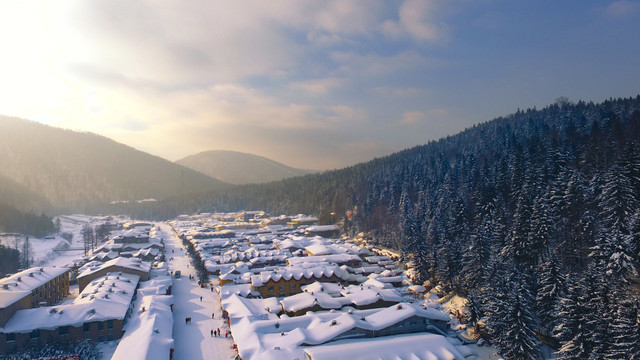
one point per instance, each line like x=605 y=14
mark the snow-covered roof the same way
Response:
x=298 y=273
x=373 y=282
x=333 y=258
x=238 y=307
x=306 y=300
x=318 y=249
x=332 y=289
x=243 y=290
x=106 y=298
x=417 y=289
x=19 y=285
x=255 y=337
x=127 y=263
x=115 y=287
x=293 y=242
x=251 y=253
x=156 y=286
x=323 y=228
x=421 y=346
x=149 y=335
x=365 y=295
x=304 y=218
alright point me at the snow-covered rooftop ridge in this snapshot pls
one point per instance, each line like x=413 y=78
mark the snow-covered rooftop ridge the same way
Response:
x=31 y=278
x=302 y=217
x=329 y=288
x=238 y=306
x=234 y=255
x=319 y=228
x=116 y=287
x=110 y=245
x=316 y=295
x=412 y=346
x=156 y=286
x=243 y=290
x=128 y=263
x=106 y=298
x=255 y=337
x=306 y=300
x=149 y=335
x=332 y=258
x=19 y=285
x=298 y=273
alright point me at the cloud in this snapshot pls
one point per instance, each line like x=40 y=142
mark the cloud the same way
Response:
x=355 y=65
x=622 y=8
x=318 y=86
x=344 y=113
x=398 y=91
x=416 y=19
x=412 y=117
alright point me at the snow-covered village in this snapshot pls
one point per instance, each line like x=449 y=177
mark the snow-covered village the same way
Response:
x=241 y=285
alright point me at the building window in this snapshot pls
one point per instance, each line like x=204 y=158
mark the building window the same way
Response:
x=100 y=338
x=292 y=286
x=63 y=330
x=11 y=337
x=35 y=334
x=100 y=325
x=281 y=287
x=109 y=337
x=270 y=288
x=86 y=327
x=109 y=324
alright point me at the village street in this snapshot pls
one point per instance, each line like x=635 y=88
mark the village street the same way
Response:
x=194 y=340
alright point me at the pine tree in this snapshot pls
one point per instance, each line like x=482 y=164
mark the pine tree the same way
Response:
x=624 y=331
x=572 y=329
x=599 y=310
x=615 y=249
x=519 y=340
x=550 y=285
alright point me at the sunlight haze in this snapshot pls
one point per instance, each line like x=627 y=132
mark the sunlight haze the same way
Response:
x=314 y=85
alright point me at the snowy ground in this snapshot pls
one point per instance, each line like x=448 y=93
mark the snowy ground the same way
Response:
x=194 y=341
x=57 y=251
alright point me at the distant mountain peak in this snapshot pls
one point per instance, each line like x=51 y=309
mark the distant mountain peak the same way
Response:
x=44 y=166
x=239 y=168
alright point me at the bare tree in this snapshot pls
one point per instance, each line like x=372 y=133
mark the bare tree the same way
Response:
x=88 y=238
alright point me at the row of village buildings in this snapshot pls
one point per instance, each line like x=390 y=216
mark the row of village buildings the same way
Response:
x=289 y=289
x=293 y=289
x=36 y=307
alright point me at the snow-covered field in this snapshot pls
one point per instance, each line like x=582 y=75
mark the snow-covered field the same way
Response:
x=56 y=251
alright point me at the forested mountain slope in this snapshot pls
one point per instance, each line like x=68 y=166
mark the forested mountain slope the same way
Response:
x=76 y=171
x=535 y=217
x=239 y=168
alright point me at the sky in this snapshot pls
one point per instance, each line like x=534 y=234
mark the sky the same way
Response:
x=312 y=84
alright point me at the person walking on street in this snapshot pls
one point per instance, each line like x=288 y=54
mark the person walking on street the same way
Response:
x=213 y=315
x=200 y=298
x=211 y=332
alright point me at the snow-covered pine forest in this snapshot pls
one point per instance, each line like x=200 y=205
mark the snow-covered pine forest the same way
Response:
x=535 y=217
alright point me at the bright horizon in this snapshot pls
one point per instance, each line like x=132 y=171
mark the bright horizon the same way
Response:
x=314 y=85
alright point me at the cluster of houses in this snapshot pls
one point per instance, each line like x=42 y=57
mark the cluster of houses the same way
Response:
x=36 y=307
x=293 y=289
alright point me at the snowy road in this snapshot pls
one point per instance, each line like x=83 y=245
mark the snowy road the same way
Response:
x=194 y=340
